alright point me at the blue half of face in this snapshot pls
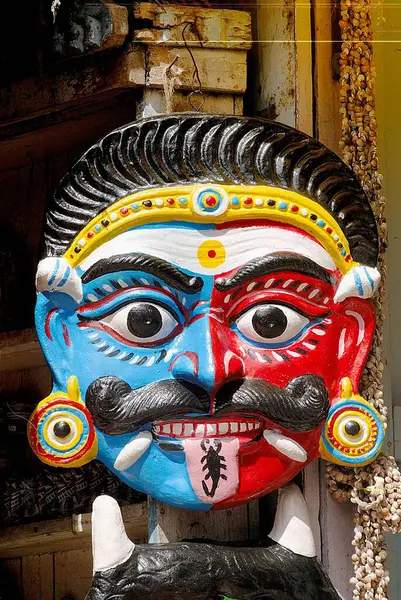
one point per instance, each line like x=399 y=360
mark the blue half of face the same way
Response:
x=134 y=326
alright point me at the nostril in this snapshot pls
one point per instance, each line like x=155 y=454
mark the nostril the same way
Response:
x=225 y=393
x=198 y=391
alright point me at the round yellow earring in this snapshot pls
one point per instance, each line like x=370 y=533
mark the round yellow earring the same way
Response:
x=354 y=431
x=61 y=431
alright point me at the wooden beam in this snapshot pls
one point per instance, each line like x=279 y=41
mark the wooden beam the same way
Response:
x=20 y=350
x=219 y=40
x=217 y=28
x=66 y=534
x=326 y=87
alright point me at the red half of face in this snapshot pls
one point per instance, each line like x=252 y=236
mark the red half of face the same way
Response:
x=274 y=329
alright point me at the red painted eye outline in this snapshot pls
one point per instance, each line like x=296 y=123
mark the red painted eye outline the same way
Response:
x=140 y=322
x=300 y=305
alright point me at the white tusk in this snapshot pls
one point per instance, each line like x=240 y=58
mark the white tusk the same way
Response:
x=291 y=527
x=133 y=451
x=285 y=445
x=110 y=543
x=56 y=275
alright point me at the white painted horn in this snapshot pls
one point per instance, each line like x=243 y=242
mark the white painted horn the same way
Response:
x=110 y=543
x=359 y=282
x=56 y=275
x=291 y=527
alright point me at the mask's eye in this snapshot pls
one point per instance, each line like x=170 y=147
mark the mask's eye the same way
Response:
x=271 y=323
x=142 y=322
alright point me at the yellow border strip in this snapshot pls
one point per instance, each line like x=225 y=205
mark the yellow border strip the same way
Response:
x=163 y=205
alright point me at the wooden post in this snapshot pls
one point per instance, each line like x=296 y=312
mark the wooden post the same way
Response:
x=296 y=86
x=225 y=37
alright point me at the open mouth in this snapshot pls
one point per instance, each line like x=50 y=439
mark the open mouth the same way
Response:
x=211 y=447
x=228 y=426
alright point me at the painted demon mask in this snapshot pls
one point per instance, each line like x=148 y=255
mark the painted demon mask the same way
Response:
x=204 y=306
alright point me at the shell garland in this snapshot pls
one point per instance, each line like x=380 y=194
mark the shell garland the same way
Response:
x=375 y=489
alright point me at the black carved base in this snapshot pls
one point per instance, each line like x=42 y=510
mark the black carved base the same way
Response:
x=195 y=571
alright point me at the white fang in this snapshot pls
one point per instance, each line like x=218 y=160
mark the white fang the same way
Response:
x=133 y=451
x=110 y=543
x=292 y=527
x=285 y=445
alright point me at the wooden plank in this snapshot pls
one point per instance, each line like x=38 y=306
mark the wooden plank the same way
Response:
x=37 y=577
x=37 y=383
x=337 y=533
x=11 y=572
x=221 y=61
x=169 y=524
x=219 y=70
x=67 y=134
x=59 y=534
x=217 y=28
x=326 y=88
x=154 y=102
x=336 y=519
x=20 y=350
x=72 y=574
x=75 y=84
x=276 y=60
x=303 y=50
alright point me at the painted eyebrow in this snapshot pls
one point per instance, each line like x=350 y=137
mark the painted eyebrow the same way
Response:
x=272 y=263
x=152 y=265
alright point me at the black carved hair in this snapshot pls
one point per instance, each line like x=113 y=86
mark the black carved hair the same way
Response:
x=190 y=148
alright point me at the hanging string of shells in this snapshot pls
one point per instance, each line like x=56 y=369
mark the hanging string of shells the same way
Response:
x=376 y=488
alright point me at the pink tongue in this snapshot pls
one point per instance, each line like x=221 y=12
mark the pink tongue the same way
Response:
x=212 y=465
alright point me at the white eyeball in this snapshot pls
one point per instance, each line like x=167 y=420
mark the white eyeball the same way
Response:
x=142 y=321
x=273 y=323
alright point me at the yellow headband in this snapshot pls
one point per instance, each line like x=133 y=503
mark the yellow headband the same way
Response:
x=213 y=204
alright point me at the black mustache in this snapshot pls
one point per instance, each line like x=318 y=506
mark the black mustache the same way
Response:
x=302 y=405
x=116 y=408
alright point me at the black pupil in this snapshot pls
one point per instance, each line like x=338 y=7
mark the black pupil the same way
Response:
x=62 y=429
x=269 y=321
x=144 y=320
x=352 y=428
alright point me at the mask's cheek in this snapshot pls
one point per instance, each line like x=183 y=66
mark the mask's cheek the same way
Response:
x=314 y=352
x=262 y=469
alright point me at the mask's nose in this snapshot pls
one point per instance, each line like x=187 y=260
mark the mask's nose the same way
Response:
x=208 y=361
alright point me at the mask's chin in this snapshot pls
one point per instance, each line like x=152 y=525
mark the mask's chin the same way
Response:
x=205 y=453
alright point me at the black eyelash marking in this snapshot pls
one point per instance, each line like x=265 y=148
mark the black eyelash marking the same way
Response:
x=258 y=285
x=278 y=282
x=114 y=353
x=301 y=351
x=267 y=359
x=322 y=326
x=103 y=348
x=162 y=355
x=128 y=357
x=135 y=281
x=251 y=354
x=294 y=284
x=314 y=342
x=142 y=361
x=157 y=284
x=115 y=284
x=235 y=294
x=308 y=288
x=284 y=356
x=96 y=341
x=100 y=292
